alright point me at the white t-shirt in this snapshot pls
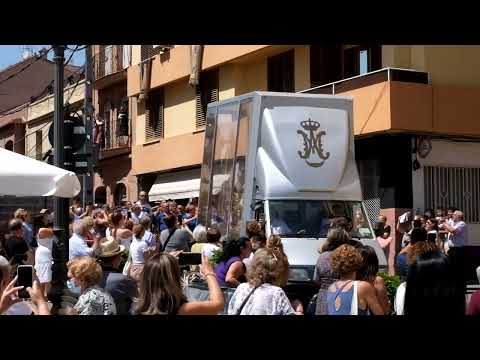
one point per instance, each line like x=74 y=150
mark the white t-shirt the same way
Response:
x=137 y=248
x=208 y=249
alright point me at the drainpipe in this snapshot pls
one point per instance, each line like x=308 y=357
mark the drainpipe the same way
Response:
x=196 y=54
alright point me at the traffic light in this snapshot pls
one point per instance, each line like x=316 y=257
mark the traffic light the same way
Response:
x=74 y=139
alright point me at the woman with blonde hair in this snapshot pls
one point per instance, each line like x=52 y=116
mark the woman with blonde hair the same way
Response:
x=86 y=273
x=138 y=250
x=161 y=290
x=263 y=293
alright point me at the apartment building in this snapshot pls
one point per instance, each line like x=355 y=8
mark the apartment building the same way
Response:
x=114 y=181
x=414 y=115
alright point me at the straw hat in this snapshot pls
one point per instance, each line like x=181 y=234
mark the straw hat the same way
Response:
x=110 y=247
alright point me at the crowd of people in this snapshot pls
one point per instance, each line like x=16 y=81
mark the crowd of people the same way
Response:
x=125 y=260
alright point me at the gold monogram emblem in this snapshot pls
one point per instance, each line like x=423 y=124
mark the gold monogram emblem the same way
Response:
x=312 y=142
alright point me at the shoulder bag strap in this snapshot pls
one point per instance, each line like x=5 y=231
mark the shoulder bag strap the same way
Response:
x=245 y=300
x=168 y=238
x=354 y=308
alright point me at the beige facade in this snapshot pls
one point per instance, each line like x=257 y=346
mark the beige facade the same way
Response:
x=40 y=116
x=444 y=106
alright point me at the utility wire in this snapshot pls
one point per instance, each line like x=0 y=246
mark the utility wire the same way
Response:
x=67 y=103
x=25 y=67
x=71 y=55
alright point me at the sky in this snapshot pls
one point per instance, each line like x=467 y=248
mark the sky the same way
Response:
x=11 y=54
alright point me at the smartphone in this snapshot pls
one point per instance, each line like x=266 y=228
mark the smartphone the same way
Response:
x=189 y=258
x=25 y=279
x=417 y=223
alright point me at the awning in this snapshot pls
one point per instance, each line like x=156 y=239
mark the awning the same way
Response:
x=175 y=190
x=183 y=188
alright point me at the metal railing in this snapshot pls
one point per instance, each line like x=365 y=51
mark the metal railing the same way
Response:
x=373 y=77
x=109 y=60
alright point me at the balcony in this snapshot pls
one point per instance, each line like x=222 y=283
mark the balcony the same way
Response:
x=116 y=140
x=404 y=101
x=110 y=65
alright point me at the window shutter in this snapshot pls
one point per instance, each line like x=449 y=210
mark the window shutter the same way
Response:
x=148 y=51
x=154 y=115
x=200 y=114
x=205 y=93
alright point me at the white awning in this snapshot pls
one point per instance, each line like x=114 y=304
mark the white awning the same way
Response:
x=175 y=190
x=163 y=189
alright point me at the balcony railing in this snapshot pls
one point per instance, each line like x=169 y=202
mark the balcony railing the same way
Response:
x=374 y=77
x=110 y=59
x=114 y=142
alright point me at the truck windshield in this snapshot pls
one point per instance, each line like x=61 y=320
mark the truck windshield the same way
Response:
x=312 y=218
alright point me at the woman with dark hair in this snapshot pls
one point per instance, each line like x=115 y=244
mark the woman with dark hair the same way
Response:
x=431 y=225
x=324 y=275
x=161 y=291
x=368 y=272
x=416 y=236
x=119 y=233
x=432 y=289
x=231 y=270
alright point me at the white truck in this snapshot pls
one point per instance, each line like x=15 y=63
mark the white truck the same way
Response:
x=289 y=160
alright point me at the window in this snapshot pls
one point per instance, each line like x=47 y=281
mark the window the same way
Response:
x=238 y=190
x=359 y=59
x=38 y=145
x=148 y=51
x=325 y=64
x=453 y=186
x=311 y=218
x=280 y=72
x=223 y=164
x=206 y=92
x=154 y=115
x=205 y=183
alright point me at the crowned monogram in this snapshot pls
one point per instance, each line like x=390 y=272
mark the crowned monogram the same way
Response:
x=312 y=143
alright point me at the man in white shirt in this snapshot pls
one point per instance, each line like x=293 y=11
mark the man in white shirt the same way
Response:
x=137 y=214
x=77 y=244
x=457 y=239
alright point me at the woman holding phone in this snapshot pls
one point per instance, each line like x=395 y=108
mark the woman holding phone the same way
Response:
x=161 y=290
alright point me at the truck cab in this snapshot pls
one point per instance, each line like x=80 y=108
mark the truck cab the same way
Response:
x=287 y=160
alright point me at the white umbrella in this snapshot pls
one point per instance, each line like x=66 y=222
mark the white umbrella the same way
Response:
x=24 y=176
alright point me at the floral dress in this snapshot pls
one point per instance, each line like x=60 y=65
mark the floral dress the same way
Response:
x=95 y=301
x=266 y=300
